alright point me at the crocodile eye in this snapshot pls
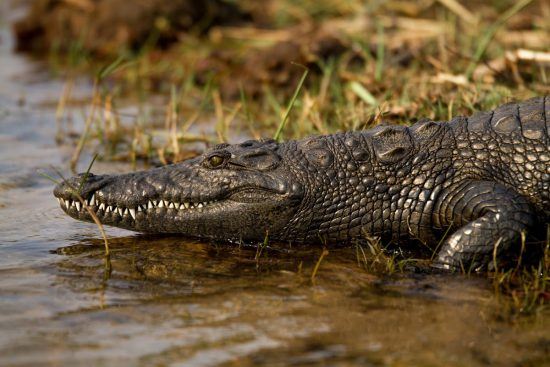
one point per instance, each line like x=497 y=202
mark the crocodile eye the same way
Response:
x=216 y=161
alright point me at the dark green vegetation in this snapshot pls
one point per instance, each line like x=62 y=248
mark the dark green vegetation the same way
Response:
x=382 y=61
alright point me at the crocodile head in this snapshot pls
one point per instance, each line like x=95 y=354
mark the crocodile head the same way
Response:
x=230 y=192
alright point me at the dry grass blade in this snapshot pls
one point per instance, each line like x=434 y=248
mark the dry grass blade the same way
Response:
x=87 y=125
x=96 y=221
x=533 y=56
x=317 y=265
x=103 y=72
x=459 y=10
x=76 y=192
x=61 y=105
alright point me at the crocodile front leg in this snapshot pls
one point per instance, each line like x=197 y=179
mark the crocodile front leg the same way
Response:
x=487 y=214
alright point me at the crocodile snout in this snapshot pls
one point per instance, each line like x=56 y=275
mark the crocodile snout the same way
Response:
x=81 y=184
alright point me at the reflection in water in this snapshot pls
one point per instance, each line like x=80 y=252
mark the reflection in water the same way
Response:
x=171 y=300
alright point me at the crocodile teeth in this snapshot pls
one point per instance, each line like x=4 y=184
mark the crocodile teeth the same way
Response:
x=67 y=204
x=139 y=208
x=59 y=201
x=77 y=204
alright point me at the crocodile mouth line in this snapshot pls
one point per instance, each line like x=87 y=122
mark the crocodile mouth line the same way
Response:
x=101 y=208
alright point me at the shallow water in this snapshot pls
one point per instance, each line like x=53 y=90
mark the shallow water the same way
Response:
x=170 y=301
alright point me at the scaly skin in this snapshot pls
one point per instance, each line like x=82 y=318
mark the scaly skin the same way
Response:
x=486 y=178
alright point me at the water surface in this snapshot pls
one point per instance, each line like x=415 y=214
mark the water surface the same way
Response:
x=171 y=301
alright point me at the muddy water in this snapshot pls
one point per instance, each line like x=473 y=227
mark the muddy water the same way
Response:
x=170 y=301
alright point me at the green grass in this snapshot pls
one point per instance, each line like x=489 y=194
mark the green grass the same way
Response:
x=279 y=132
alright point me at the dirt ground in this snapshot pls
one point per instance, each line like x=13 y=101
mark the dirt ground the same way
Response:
x=258 y=44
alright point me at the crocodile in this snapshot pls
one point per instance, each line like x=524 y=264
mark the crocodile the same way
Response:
x=469 y=188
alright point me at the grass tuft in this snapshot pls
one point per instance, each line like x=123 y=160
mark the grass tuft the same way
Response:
x=523 y=290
